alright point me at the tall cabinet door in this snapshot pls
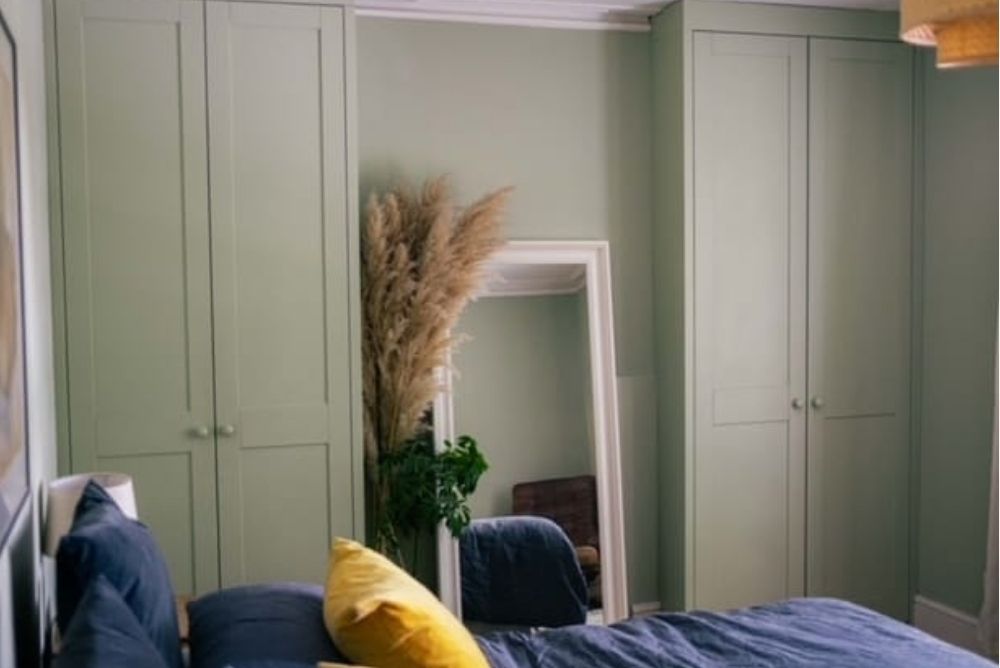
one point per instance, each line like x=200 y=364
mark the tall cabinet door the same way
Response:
x=281 y=275
x=750 y=292
x=859 y=322
x=136 y=252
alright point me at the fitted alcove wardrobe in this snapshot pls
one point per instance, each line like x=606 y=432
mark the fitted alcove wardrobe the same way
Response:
x=783 y=283
x=216 y=363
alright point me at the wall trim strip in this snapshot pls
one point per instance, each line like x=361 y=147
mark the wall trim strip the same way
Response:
x=946 y=623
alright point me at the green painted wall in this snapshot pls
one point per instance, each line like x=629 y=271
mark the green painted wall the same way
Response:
x=521 y=389
x=671 y=281
x=564 y=116
x=958 y=329
x=25 y=576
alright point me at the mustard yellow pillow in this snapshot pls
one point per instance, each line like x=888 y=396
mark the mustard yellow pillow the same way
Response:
x=380 y=616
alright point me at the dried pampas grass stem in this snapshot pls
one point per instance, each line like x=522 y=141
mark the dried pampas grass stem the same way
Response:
x=421 y=263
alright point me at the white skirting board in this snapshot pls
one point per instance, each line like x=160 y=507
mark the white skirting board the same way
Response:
x=952 y=626
x=649 y=608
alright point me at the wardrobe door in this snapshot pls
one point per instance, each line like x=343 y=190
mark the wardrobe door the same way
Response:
x=135 y=216
x=860 y=133
x=749 y=282
x=281 y=265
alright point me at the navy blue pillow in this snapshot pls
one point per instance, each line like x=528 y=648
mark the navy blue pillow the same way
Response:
x=105 y=634
x=256 y=624
x=103 y=541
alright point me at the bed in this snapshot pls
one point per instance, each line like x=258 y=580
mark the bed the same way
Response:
x=799 y=632
x=116 y=610
x=243 y=627
x=523 y=570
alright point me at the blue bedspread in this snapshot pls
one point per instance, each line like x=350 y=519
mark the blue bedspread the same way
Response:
x=799 y=632
x=521 y=570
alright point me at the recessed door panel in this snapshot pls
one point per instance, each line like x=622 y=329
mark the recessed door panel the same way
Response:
x=286 y=512
x=749 y=239
x=280 y=261
x=159 y=505
x=135 y=217
x=859 y=322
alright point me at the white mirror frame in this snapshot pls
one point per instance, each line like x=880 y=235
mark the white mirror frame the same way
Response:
x=594 y=256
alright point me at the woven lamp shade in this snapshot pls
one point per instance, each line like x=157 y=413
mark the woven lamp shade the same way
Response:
x=964 y=31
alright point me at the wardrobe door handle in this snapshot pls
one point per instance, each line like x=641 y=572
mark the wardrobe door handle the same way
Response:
x=797 y=404
x=226 y=430
x=201 y=431
x=817 y=402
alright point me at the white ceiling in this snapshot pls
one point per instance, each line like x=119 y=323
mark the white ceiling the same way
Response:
x=613 y=14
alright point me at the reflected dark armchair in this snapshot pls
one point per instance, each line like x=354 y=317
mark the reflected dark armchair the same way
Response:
x=520 y=571
x=572 y=504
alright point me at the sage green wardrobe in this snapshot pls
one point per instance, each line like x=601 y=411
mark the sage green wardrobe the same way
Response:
x=205 y=256
x=783 y=166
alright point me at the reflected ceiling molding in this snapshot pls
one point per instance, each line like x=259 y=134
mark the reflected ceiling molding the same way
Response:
x=512 y=280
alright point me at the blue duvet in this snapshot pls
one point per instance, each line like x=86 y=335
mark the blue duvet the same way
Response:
x=799 y=632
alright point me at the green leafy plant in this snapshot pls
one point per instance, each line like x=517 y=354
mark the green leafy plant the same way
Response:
x=431 y=487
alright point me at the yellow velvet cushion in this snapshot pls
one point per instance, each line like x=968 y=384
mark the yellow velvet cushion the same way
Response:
x=380 y=616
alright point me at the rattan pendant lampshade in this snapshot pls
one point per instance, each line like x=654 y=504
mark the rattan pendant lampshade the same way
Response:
x=964 y=31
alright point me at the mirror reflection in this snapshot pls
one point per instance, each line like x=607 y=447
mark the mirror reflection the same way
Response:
x=523 y=388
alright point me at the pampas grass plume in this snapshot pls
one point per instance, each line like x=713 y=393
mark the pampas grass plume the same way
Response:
x=422 y=261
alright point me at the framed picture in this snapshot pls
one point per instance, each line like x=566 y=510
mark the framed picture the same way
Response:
x=13 y=402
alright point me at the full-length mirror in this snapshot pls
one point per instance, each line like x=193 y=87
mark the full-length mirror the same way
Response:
x=535 y=385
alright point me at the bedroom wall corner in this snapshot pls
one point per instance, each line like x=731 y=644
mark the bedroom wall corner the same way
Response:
x=671 y=284
x=958 y=331
x=25 y=601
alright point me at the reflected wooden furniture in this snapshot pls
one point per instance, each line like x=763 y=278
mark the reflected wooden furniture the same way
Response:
x=572 y=504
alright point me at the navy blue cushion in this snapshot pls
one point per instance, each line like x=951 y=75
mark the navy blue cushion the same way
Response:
x=105 y=634
x=103 y=541
x=521 y=570
x=257 y=623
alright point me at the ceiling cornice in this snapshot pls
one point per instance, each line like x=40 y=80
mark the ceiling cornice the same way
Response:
x=629 y=15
